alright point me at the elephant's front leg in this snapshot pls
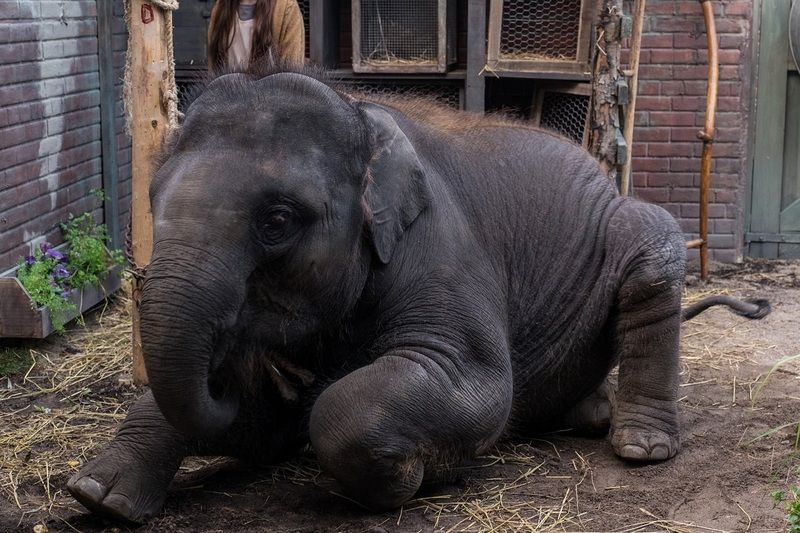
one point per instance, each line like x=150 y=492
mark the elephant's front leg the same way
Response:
x=379 y=429
x=129 y=479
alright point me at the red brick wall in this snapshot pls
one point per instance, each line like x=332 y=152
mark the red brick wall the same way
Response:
x=670 y=111
x=50 y=149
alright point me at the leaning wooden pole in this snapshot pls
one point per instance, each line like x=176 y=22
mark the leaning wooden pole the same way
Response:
x=707 y=135
x=147 y=82
x=633 y=87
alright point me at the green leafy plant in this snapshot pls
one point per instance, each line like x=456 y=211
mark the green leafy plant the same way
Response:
x=50 y=277
x=13 y=360
x=88 y=256
x=791 y=504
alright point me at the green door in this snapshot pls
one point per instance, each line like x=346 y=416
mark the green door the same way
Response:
x=774 y=228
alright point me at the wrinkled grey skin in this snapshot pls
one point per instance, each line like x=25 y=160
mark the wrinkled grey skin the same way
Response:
x=449 y=280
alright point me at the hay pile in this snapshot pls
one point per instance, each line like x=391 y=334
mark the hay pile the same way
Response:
x=68 y=403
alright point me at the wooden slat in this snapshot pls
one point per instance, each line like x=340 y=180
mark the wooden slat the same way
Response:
x=770 y=123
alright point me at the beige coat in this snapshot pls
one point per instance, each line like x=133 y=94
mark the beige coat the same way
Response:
x=288 y=35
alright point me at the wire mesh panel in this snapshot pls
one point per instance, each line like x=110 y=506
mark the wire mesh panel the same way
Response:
x=408 y=36
x=447 y=93
x=542 y=29
x=540 y=35
x=563 y=109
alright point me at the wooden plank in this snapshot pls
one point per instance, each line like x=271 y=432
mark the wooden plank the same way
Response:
x=476 y=56
x=108 y=125
x=770 y=123
x=148 y=53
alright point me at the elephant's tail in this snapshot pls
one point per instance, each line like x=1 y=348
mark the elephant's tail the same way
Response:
x=754 y=308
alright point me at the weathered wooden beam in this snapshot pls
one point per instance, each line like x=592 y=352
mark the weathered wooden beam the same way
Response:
x=605 y=123
x=148 y=64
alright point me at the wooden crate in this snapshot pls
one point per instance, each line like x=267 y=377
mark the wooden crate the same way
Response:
x=550 y=38
x=565 y=108
x=19 y=318
x=413 y=36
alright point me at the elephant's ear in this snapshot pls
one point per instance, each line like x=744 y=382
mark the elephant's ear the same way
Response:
x=397 y=189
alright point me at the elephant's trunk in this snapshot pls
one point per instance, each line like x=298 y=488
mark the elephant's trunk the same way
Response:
x=189 y=299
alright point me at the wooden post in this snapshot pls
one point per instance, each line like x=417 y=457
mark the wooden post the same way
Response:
x=148 y=70
x=630 y=110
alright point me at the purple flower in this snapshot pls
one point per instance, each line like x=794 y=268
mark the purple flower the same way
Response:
x=66 y=292
x=52 y=253
x=60 y=272
x=30 y=260
x=45 y=246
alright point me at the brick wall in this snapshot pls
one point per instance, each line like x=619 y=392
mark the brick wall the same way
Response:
x=50 y=149
x=670 y=111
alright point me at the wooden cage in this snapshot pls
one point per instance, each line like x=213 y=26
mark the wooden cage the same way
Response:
x=564 y=108
x=550 y=38
x=413 y=36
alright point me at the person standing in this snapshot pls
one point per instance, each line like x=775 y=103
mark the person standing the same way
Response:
x=242 y=33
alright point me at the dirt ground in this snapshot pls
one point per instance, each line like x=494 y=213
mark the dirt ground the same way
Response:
x=69 y=395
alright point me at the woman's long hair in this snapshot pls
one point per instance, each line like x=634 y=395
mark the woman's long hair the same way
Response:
x=220 y=27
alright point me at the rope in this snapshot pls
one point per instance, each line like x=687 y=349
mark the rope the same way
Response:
x=169 y=90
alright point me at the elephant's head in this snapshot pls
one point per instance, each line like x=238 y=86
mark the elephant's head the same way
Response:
x=274 y=201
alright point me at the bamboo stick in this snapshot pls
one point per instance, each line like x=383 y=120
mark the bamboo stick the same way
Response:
x=707 y=135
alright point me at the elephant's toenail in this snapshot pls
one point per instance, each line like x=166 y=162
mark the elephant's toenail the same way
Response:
x=659 y=452
x=89 y=489
x=632 y=451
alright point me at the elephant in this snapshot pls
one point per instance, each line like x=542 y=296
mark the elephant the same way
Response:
x=397 y=284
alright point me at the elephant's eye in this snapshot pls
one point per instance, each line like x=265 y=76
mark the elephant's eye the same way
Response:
x=277 y=222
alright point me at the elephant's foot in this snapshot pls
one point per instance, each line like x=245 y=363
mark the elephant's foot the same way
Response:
x=592 y=415
x=645 y=433
x=118 y=484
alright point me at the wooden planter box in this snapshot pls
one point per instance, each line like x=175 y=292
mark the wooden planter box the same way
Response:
x=549 y=39
x=20 y=319
x=414 y=36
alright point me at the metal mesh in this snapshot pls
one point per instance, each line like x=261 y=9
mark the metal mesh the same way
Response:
x=565 y=113
x=399 y=32
x=447 y=94
x=540 y=29
x=305 y=11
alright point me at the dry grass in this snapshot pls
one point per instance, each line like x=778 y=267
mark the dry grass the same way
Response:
x=60 y=418
x=706 y=346
x=508 y=504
